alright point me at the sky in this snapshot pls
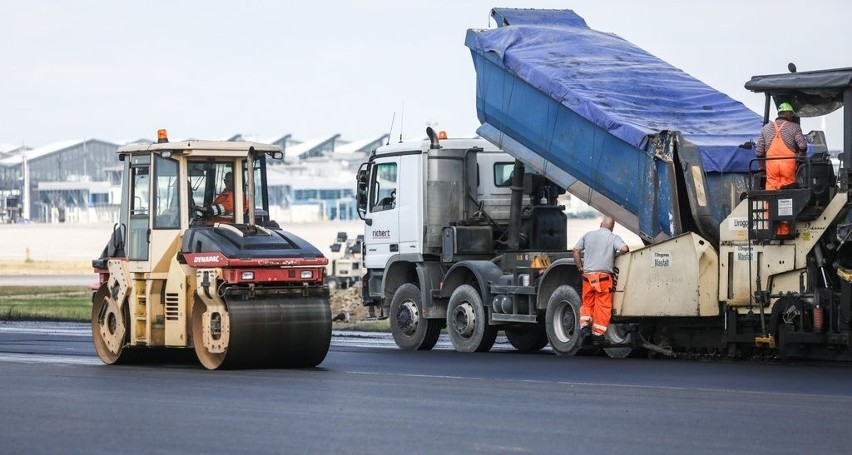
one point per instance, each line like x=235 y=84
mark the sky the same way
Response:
x=118 y=71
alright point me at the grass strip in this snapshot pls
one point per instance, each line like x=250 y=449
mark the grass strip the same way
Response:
x=45 y=303
x=364 y=326
x=74 y=304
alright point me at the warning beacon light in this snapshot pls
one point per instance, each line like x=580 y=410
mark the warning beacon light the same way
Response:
x=162 y=135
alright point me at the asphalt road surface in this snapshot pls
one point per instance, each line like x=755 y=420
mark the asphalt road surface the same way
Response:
x=369 y=397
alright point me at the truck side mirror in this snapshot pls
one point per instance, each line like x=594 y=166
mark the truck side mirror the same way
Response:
x=361 y=190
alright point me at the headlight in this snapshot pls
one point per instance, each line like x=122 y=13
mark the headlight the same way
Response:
x=307 y=274
x=247 y=276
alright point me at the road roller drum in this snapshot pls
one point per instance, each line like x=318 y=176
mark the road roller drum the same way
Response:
x=263 y=332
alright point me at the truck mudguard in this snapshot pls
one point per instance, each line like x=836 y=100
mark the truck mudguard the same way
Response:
x=466 y=272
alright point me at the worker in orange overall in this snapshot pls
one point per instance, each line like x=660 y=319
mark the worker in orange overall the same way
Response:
x=599 y=249
x=781 y=142
x=221 y=210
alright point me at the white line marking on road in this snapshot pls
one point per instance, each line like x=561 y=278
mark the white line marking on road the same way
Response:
x=52 y=359
x=81 y=331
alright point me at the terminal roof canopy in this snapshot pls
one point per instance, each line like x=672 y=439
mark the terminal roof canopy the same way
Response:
x=311 y=147
x=14 y=159
x=364 y=146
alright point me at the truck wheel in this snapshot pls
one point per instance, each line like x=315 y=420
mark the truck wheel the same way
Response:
x=467 y=323
x=562 y=321
x=411 y=331
x=527 y=340
x=618 y=334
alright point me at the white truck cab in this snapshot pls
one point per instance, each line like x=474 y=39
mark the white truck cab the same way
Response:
x=414 y=190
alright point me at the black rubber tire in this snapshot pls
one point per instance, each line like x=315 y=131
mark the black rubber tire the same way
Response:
x=411 y=331
x=482 y=335
x=615 y=334
x=562 y=321
x=527 y=340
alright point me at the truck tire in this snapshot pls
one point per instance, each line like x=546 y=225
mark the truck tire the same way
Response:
x=411 y=331
x=618 y=334
x=467 y=322
x=527 y=340
x=562 y=321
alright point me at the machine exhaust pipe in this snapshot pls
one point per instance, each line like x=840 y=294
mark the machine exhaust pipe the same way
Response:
x=250 y=196
x=434 y=143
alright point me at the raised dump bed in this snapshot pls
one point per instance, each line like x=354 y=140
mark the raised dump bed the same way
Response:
x=635 y=137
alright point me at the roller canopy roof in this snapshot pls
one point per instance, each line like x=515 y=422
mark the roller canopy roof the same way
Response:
x=618 y=86
x=838 y=79
x=812 y=93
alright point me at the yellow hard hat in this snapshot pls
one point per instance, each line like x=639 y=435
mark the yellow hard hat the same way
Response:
x=786 y=107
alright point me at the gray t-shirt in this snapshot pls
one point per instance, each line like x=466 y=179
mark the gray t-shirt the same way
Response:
x=599 y=248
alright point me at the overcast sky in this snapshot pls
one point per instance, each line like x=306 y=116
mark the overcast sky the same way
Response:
x=117 y=70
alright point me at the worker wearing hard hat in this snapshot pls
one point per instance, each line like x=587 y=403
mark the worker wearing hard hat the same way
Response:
x=781 y=142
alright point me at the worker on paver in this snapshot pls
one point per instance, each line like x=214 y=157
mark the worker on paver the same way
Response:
x=781 y=142
x=599 y=249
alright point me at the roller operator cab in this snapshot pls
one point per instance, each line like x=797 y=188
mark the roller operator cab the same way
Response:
x=195 y=262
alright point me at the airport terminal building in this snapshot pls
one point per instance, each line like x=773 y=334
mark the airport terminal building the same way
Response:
x=78 y=181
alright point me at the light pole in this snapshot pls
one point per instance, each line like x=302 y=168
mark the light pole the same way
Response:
x=25 y=191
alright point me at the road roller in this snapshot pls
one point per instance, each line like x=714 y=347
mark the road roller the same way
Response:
x=195 y=262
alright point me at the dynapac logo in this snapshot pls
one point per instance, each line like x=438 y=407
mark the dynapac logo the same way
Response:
x=381 y=234
x=198 y=259
x=206 y=259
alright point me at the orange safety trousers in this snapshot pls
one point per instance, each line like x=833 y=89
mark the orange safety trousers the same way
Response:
x=597 y=301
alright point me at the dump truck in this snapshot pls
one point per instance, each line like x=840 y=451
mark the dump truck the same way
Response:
x=667 y=156
x=184 y=270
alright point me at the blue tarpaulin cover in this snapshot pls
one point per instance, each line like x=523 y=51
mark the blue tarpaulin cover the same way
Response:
x=620 y=87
